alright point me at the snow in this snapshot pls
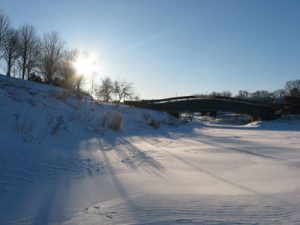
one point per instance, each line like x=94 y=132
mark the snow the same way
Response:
x=58 y=165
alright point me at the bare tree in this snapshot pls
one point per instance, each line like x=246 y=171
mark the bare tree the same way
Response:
x=4 y=27
x=105 y=91
x=214 y=94
x=28 y=47
x=137 y=97
x=10 y=49
x=292 y=88
x=92 y=85
x=33 y=59
x=261 y=95
x=279 y=93
x=226 y=94
x=70 y=55
x=221 y=94
x=243 y=94
x=51 y=56
x=123 y=89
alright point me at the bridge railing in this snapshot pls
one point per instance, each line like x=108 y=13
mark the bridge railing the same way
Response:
x=195 y=97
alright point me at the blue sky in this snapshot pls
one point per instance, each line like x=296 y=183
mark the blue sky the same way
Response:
x=169 y=47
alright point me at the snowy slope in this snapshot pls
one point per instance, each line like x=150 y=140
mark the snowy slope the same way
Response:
x=59 y=165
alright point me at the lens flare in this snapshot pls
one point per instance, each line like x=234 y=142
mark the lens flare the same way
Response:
x=85 y=64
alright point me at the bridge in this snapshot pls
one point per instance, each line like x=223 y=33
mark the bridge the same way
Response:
x=208 y=105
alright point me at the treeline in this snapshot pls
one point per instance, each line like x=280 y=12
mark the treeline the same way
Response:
x=290 y=90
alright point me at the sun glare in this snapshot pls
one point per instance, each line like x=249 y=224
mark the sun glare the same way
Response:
x=85 y=64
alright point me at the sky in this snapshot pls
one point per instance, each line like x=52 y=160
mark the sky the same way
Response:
x=176 y=47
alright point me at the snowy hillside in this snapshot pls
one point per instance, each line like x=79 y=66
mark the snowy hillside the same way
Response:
x=61 y=163
x=39 y=111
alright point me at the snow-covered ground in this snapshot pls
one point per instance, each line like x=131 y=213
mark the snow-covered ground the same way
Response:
x=61 y=164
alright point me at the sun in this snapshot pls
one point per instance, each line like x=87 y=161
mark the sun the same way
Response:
x=85 y=64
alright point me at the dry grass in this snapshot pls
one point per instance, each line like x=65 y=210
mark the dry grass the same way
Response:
x=60 y=95
x=116 y=121
x=104 y=119
x=23 y=124
x=154 y=123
